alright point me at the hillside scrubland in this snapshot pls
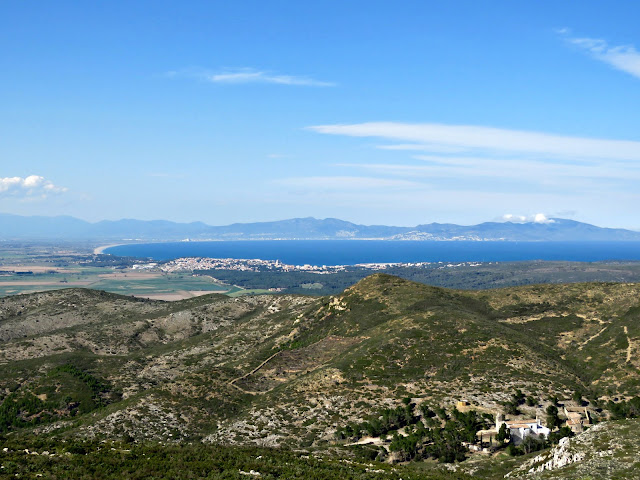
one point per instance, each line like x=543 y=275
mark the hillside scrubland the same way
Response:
x=289 y=372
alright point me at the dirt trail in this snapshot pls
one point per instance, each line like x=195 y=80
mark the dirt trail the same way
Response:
x=626 y=332
x=233 y=382
x=593 y=337
x=367 y=441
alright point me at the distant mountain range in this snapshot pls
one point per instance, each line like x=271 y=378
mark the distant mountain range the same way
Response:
x=15 y=227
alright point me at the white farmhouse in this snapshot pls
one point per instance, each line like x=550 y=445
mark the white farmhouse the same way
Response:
x=520 y=429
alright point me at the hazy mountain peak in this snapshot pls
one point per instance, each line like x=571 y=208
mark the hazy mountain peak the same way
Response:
x=303 y=228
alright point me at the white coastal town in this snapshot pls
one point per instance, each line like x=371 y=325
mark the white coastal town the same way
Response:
x=256 y=264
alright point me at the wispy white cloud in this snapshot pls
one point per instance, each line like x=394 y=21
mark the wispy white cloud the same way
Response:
x=249 y=75
x=509 y=173
x=621 y=57
x=454 y=166
x=536 y=218
x=437 y=137
x=531 y=168
x=31 y=186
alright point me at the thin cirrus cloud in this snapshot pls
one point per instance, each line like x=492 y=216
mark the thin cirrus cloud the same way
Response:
x=31 y=186
x=476 y=167
x=622 y=57
x=485 y=158
x=437 y=137
x=339 y=183
x=249 y=76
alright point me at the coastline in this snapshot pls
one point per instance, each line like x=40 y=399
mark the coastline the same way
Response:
x=339 y=252
x=101 y=249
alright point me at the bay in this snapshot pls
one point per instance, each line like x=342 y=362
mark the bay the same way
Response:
x=351 y=252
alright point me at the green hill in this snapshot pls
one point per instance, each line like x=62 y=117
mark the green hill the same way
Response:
x=291 y=370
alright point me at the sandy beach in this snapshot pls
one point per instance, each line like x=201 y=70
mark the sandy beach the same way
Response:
x=99 y=250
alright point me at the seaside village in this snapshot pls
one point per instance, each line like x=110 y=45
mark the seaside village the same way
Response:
x=255 y=265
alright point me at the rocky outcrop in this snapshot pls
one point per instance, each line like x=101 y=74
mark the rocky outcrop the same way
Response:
x=608 y=447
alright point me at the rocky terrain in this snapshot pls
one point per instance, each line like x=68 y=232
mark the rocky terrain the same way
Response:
x=607 y=450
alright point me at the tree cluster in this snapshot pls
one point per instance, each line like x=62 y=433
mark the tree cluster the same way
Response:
x=383 y=422
x=22 y=408
x=512 y=406
x=433 y=434
x=624 y=409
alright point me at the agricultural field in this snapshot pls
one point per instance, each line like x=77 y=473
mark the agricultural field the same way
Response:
x=28 y=268
x=155 y=285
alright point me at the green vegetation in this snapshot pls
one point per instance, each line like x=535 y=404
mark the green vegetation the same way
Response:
x=442 y=442
x=553 y=420
x=483 y=276
x=65 y=391
x=504 y=434
x=624 y=409
x=308 y=375
x=512 y=407
x=117 y=460
x=380 y=423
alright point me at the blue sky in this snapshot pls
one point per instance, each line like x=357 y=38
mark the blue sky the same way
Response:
x=371 y=111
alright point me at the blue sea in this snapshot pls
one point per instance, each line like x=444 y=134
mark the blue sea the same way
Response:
x=351 y=252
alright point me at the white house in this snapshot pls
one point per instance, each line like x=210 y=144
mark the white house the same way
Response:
x=519 y=429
